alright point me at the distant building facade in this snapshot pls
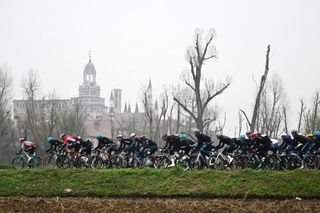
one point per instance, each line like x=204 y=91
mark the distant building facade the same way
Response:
x=108 y=121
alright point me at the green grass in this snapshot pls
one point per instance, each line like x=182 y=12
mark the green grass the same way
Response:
x=5 y=166
x=161 y=183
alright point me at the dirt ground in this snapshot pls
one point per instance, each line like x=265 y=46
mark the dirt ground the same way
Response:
x=81 y=204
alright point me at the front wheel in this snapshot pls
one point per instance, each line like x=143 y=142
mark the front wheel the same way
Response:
x=35 y=162
x=18 y=163
x=63 y=162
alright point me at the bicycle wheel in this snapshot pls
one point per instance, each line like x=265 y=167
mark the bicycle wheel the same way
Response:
x=310 y=162
x=35 y=162
x=219 y=163
x=49 y=161
x=18 y=163
x=282 y=165
x=96 y=162
x=116 y=162
x=63 y=162
x=82 y=162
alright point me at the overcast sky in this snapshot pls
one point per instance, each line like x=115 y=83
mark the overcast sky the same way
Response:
x=132 y=41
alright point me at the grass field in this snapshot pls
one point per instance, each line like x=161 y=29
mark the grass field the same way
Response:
x=161 y=183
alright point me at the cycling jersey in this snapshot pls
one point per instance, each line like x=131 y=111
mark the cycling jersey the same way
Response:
x=26 y=145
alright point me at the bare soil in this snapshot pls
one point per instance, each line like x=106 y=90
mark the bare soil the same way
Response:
x=89 y=204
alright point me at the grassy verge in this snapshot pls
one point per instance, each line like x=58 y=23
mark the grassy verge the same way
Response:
x=161 y=183
x=5 y=166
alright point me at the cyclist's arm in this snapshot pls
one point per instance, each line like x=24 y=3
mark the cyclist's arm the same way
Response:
x=50 y=149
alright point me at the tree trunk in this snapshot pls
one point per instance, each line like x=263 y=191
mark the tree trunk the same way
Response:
x=257 y=102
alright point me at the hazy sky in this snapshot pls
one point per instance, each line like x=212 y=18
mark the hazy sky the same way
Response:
x=132 y=41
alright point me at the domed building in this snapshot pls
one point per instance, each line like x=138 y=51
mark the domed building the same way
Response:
x=89 y=93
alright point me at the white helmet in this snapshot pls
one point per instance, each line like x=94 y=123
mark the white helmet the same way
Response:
x=133 y=135
x=62 y=135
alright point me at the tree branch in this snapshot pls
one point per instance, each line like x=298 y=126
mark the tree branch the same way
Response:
x=185 y=108
x=245 y=115
x=209 y=98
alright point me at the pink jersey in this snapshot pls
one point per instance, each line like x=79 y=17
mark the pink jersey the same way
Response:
x=70 y=139
x=26 y=144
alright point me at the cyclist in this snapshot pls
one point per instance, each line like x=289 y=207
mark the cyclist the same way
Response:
x=27 y=146
x=186 y=142
x=229 y=142
x=287 y=143
x=303 y=141
x=54 y=144
x=145 y=144
x=204 y=142
x=173 y=145
x=105 y=145
x=126 y=144
x=264 y=144
x=69 y=142
x=317 y=141
x=86 y=145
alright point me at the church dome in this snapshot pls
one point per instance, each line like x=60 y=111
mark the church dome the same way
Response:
x=90 y=68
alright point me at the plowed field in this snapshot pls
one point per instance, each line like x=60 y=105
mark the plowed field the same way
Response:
x=81 y=204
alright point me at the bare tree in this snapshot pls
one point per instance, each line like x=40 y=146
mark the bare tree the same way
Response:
x=255 y=114
x=72 y=120
x=5 y=88
x=200 y=52
x=32 y=120
x=302 y=109
x=148 y=110
x=271 y=113
x=285 y=118
x=161 y=116
x=240 y=118
x=311 y=120
x=7 y=133
x=41 y=113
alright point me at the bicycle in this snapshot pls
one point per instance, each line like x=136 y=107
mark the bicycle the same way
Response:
x=20 y=161
x=49 y=160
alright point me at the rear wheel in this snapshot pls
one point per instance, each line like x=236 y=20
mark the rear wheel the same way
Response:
x=49 y=161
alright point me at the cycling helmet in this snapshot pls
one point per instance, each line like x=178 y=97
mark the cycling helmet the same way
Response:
x=294 y=132
x=196 y=130
x=21 y=139
x=248 y=133
x=242 y=136
x=218 y=134
x=316 y=133
x=183 y=136
x=98 y=135
x=50 y=138
x=132 y=135
x=62 y=135
x=119 y=136
x=251 y=135
x=309 y=135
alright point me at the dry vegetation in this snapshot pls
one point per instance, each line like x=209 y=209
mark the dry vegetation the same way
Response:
x=81 y=204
